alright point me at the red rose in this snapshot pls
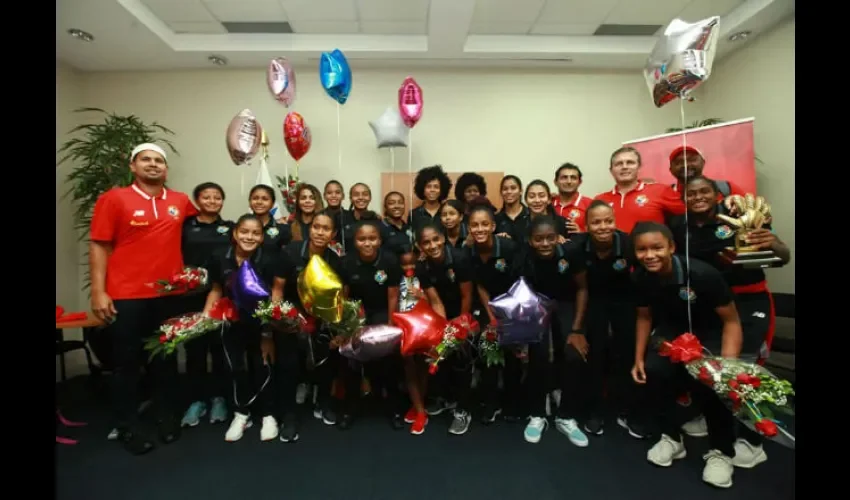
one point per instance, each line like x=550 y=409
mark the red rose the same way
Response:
x=408 y=273
x=177 y=278
x=705 y=376
x=276 y=313
x=292 y=313
x=491 y=336
x=460 y=334
x=767 y=428
x=734 y=384
x=362 y=311
x=163 y=339
x=193 y=284
x=432 y=369
x=734 y=396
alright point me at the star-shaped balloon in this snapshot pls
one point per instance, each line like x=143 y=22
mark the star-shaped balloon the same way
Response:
x=390 y=131
x=422 y=329
x=248 y=288
x=523 y=315
x=320 y=290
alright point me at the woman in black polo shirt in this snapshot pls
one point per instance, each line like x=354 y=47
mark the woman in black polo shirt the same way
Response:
x=538 y=199
x=203 y=236
x=607 y=254
x=708 y=237
x=675 y=296
x=431 y=185
x=446 y=279
x=493 y=259
x=308 y=202
x=511 y=220
x=277 y=233
x=246 y=338
x=372 y=275
x=360 y=195
x=553 y=271
x=452 y=218
x=323 y=360
x=396 y=234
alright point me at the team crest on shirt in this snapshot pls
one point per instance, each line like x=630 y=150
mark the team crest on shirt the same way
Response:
x=409 y=233
x=687 y=294
x=574 y=213
x=173 y=211
x=272 y=232
x=563 y=265
x=222 y=229
x=450 y=274
x=723 y=232
x=500 y=265
x=641 y=200
x=620 y=264
x=380 y=277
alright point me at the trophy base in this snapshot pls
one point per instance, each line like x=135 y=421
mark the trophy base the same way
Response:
x=759 y=259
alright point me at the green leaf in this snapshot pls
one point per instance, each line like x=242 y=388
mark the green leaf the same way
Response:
x=784 y=410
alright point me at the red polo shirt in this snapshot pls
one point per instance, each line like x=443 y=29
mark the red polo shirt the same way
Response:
x=646 y=203
x=574 y=210
x=145 y=233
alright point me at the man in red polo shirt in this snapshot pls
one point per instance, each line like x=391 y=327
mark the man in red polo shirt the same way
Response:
x=689 y=159
x=570 y=204
x=634 y=201
x=135 y=240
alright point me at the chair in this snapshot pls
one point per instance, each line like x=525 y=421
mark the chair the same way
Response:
x=783 y=350
x=65 y=346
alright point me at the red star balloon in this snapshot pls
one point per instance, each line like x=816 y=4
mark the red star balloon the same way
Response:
x=422 y=329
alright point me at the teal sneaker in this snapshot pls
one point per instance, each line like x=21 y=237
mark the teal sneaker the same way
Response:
x=219 y=410
x=193 y=415
x=569 y=427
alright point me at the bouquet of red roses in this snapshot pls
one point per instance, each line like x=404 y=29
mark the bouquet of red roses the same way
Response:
x=191 y=279
x=180 y=329
x=489 y=348
x=353 y=320
x=753 y=393
x=280 y=315
x=455 y=335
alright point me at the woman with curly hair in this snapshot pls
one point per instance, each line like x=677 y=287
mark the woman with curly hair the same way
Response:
x=432 y=186
x=468 y=187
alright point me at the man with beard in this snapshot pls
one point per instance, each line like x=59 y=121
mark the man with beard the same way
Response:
x=135 y=240
x=689 y=159
x=570 y=204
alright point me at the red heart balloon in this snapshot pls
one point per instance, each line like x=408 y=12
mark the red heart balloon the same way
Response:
x=422 y=329
x=296 y=135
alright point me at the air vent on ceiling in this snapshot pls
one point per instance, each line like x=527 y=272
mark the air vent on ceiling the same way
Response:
x=627 y=29
x=258 y=28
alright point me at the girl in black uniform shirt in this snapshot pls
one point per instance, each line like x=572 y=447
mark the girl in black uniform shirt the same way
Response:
x=372 y=276
x=360 y=195
x=454 y=228
x=276 y=232
x=553 y=271
x=446 y=279
x=513 y=216
x=607 y=254
x=396 y=234
x=675 y=296
x=248 y=347
x=538 y=198
x=203 y=236
x=493 y=259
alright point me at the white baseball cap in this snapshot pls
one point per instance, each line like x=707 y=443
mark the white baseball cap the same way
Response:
x=148 y=146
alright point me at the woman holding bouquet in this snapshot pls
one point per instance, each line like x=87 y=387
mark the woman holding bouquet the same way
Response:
x=248 y=346
x=204 y=235
x=493 y=261
x=708 y=237
x=372 y=276
x=277 y=232
x=676 y=296
x=322 y=232
x=555 y=271
x=446 y=279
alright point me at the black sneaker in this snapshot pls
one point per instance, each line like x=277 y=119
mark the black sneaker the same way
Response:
x=594 y=426
x=168 y=430
x=328 y=416
x=345 y=422
x=490 y=414
x=635 y=428
x=289 y=429
x=135 y=442
x=397 y=422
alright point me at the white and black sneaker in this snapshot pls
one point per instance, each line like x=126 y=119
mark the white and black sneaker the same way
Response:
x=460 y=422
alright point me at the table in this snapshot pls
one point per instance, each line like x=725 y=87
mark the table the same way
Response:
x=83 y=323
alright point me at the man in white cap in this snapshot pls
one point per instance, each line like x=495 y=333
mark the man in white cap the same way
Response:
x=689 y=159
x=135 y=240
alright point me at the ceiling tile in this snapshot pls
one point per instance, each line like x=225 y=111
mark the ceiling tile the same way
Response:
x=491 y=12
x=577 y=11
x=320 y=10
x=393 y=10
x=246 y=11
x=394 y=28
x=563 y=29
x=646 y=11
x=493 y=28
x=702 y=9
x=325 y=27
x=185 y=11
x=198 y=28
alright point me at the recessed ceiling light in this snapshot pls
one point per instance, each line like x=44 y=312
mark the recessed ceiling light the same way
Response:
x=741 y=35
x=81 y=35
x=217 y=60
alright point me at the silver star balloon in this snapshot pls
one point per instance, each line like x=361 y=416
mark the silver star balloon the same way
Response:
x=523 y=315
x=390 y=131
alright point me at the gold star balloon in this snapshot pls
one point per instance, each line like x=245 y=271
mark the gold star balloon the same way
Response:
x=320 y=290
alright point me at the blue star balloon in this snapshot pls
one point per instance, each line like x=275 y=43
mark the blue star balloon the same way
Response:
x=523 y=315
x=335 y=75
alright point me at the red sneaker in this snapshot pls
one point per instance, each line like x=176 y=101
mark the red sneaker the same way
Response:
x=410 y=416
x=419 y=424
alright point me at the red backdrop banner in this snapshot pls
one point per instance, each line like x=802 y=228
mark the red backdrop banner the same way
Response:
x=727 y=148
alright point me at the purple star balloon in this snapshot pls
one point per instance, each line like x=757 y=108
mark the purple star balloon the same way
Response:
x=248 y=288
x=523 y=314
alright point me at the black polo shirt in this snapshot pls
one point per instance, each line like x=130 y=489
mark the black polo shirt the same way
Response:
x=298 y=255
x=267 y=265
x=707 y=241
x=276 y=235
x=394 y=238
x=368 y=281
x=418 y=217
x=554 y=277
x=344 y=222
x=608 y=277
x=462 y=234
x=201 y=240
x=446 y=277
x=522 y=227
x=668 y=297
x=497 y=274
x=513 y=227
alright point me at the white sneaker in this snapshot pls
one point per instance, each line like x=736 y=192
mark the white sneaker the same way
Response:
x=237 y=427
x=269 y=430
x=665 y=451
x=534 y=430
x=301 y=394
x=747 y=455
x=569 y=427
x=696 y=428
x=718 y=469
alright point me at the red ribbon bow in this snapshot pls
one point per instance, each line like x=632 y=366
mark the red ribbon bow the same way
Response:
x=684 y=349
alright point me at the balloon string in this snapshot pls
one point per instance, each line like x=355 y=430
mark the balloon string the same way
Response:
x=687 y=227
x=339 y=166
x=230 y=364
x=410 y=180
x=392 y=167
x=242 y=184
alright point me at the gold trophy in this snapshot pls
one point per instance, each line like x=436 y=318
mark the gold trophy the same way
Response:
x=751 y=213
